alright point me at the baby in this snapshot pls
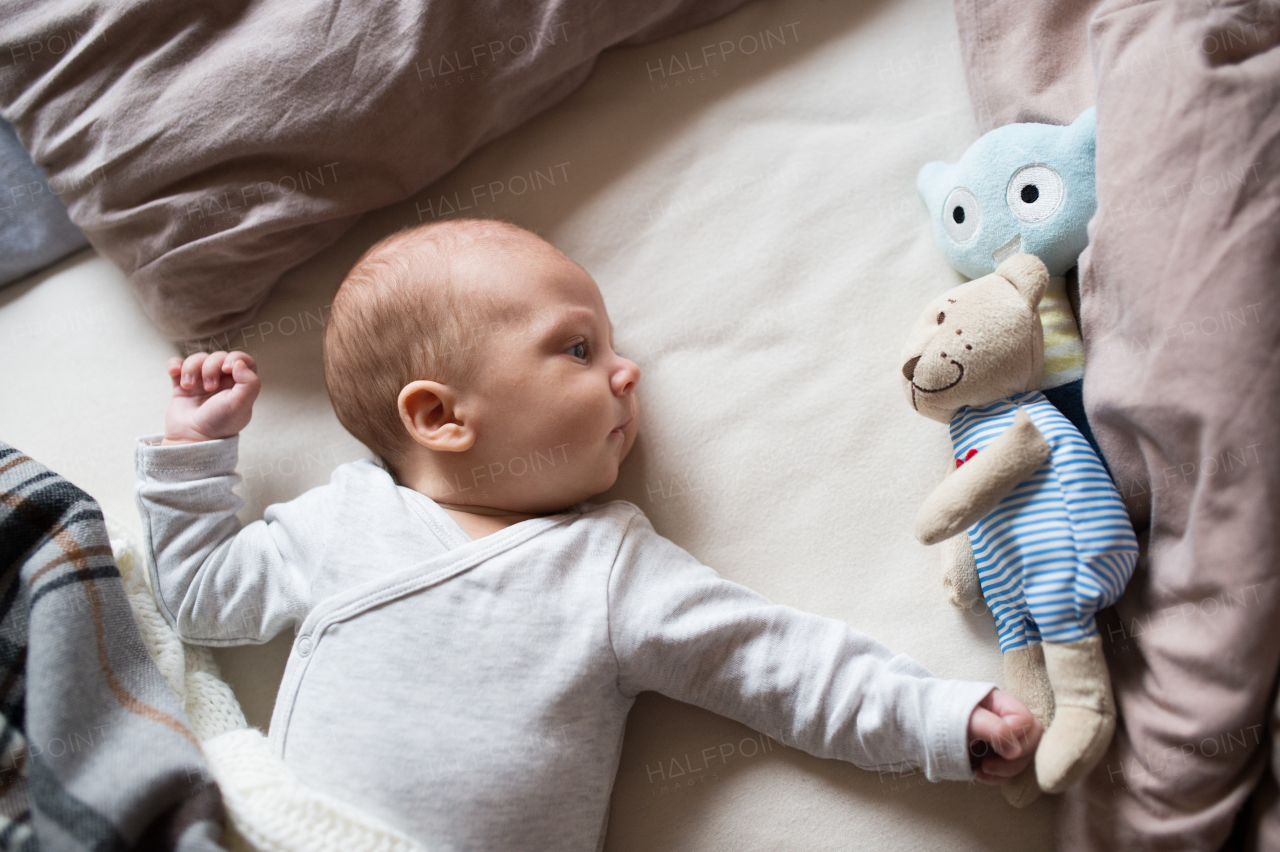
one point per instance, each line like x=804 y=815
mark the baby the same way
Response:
x=470 y=632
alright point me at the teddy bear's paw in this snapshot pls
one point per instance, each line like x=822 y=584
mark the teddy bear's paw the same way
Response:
x=1022 y=789
x=1072 y=747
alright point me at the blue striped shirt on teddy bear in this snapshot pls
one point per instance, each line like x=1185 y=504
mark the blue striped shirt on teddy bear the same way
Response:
x=1059 y=547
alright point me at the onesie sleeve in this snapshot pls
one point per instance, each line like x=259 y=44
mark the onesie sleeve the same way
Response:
x=810 y=682
x=218 y=583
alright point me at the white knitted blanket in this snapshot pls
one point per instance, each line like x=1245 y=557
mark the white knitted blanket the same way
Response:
x=270 y=809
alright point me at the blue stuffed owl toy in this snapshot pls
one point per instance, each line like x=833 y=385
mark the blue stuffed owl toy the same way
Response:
x=1024 y=188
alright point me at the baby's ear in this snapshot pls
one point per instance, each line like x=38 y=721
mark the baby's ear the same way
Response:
x=1028 y=274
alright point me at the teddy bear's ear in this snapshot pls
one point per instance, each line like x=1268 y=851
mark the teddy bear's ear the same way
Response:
x=929 y=183
x=1028 y=274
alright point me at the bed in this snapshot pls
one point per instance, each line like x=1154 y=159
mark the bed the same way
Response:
x=753 y=223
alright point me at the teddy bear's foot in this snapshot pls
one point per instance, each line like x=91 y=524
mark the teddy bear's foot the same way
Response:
x=960 y=572
x=1025 y=676
x=1084 y=713
x=1022 y=789
x=1072 y=746
x=1028 y=681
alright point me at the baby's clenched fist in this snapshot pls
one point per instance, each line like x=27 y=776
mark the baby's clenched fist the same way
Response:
x=1003 y=736
x=213 y=396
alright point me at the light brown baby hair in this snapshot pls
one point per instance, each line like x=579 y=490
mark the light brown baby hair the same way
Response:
x=401 y=315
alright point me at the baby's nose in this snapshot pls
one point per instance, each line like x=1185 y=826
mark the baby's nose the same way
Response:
x=626 y=377
x=909 y=368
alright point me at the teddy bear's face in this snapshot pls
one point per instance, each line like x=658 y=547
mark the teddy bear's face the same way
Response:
x=979 y=342
x=1020 y=188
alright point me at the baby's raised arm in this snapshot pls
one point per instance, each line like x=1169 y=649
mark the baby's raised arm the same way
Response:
x=216 y=582
x=811 y=682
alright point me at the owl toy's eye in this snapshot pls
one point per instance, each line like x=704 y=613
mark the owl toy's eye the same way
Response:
x=961 y=215
x=1034 y=193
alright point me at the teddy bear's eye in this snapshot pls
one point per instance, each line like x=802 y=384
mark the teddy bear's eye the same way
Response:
x=961 y=215
x=1034 y=193
x=941 y=317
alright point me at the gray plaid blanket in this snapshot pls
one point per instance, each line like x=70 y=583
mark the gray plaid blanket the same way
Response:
x=95 y=751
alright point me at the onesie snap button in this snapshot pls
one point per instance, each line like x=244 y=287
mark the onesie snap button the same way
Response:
x=304 y=646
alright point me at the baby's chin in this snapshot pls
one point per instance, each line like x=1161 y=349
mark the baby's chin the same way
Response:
x=599 y=484
x=577 y=484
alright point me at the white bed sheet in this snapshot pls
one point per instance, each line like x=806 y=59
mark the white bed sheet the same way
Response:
x=754 y=227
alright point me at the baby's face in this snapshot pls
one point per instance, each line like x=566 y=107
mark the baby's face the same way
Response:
x=554 y=407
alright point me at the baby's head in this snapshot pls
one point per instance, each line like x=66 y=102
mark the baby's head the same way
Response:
x=476 y=360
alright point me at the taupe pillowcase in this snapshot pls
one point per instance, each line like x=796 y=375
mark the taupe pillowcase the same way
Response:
x=207 y=148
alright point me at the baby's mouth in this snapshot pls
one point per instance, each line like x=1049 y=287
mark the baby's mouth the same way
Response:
x=622 y=427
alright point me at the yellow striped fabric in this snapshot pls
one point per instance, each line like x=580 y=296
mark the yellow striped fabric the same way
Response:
x=1063 y=348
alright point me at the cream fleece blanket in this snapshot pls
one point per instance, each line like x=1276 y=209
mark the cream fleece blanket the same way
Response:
x=754 y=227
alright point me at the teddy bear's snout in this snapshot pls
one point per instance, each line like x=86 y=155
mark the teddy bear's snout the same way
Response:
x=909 y=368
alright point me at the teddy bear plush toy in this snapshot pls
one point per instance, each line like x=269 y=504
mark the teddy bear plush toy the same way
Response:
x=1025 y=188
x=1029 y=518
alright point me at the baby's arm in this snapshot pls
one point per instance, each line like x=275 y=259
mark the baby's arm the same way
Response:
x=811 y=682
x=216 y=583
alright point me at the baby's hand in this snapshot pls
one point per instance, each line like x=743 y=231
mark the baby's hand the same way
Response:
x=212 y=397
x=1003 y=736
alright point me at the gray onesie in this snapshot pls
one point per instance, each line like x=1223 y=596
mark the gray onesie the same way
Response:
x=474 y=693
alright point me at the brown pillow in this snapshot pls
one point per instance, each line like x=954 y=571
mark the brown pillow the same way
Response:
x=206 y=148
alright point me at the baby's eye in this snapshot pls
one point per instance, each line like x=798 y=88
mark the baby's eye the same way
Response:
x=578 y=350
